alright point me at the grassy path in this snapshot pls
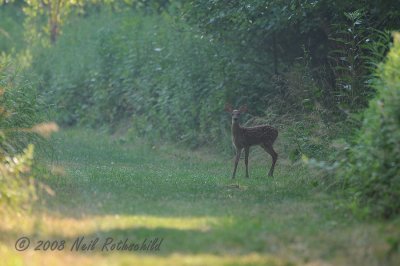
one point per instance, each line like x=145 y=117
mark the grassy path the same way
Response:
x=106 y=190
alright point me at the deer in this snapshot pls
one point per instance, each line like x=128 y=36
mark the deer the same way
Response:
x=245 y=137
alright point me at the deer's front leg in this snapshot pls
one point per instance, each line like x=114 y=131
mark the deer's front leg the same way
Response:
x=238 y=152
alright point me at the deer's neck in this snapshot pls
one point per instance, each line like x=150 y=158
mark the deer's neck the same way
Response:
x=236 y=130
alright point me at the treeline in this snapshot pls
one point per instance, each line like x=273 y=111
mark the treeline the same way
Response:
x=279 y=57
x=166 y=69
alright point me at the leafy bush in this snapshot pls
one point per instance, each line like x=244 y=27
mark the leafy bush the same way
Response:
x=17 y=109
x=20 y=113
x=16 y=183
x=373 y=169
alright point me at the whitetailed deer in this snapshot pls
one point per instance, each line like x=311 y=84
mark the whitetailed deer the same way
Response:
x=245 y=137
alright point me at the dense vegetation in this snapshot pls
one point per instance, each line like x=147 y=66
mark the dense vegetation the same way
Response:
x=165 y=69
x=17 y=111
x=374 y=168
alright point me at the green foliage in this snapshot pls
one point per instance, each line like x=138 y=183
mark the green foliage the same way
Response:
x=19 y=106
x=16 y=184
x=146 y=66
x=275 y=34
x=373 y=170
x=172 y=80
x=20 y=129
x=357 y=48
x=44 y=19
x=18 y=111
x=347 y=61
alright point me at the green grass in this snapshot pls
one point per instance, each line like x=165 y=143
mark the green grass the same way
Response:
x=105 y=187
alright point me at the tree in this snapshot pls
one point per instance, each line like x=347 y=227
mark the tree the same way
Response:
x=54 y=11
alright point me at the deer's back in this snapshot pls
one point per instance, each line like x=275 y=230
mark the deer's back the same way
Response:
x=260 y=134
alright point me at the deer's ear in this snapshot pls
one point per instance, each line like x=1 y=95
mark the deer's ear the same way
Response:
x=228 y=108
x=243 y=109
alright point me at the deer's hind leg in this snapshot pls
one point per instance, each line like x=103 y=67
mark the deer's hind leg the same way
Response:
x=268 y=148
x=238 y=152
x=246 y=160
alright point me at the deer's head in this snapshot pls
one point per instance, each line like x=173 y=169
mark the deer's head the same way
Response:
x=235 y=113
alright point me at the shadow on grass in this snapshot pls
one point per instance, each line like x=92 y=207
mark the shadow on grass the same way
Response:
x=216 y=243
x=155 y=241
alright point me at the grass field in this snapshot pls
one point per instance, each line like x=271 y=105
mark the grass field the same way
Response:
x=108 y=188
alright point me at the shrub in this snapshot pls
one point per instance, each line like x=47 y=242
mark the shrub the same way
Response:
x=373 y=169
x=16 y=183
x=17 y=110
x=20 y=114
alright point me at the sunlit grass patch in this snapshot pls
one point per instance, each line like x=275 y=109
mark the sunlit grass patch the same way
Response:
x=31 y=258
x=48 y=225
